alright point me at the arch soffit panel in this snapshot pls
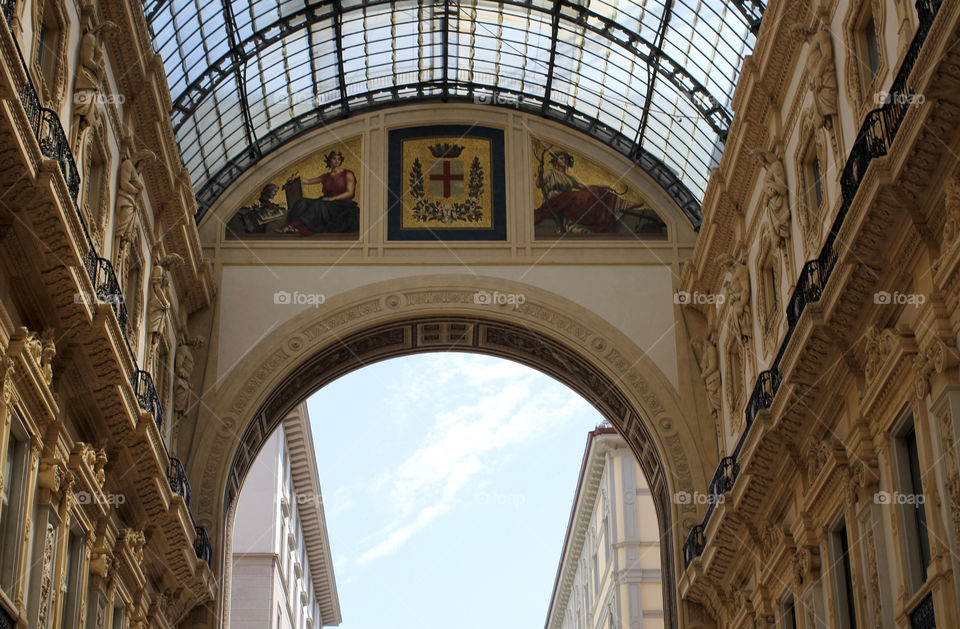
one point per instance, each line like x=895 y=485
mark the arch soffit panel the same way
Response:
x=386 y=319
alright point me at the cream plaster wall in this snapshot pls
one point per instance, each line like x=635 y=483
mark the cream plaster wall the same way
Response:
x=638 y=300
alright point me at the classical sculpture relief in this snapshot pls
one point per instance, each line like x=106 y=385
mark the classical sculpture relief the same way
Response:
x=821 y=73
x=183 y=369
x=709 y=370
x=774 y=198
x=738 y=297
x=129 y=187
x=90 y=71
x=159 y=302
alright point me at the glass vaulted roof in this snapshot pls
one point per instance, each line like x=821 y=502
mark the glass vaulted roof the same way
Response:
x=652 y=78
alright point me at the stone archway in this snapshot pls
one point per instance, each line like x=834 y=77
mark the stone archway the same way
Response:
x=437 y=313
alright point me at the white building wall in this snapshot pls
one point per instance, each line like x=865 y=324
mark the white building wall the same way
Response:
x=266 y=592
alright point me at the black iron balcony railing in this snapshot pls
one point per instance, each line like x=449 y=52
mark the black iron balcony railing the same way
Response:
x=9 y=9
x=762 y=397
x=876 y=136
x=178 y=480
x=53 y=144
x=922 y=615
x=108 y=290
x=147 y=396
x=201 y=544
x=694 y=545
x=52 y=140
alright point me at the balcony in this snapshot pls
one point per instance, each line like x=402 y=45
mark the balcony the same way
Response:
x=51 y=143
x=874 y=140
x=922 y=615
x=142 y=383
x=201 y=544
x=177 y=478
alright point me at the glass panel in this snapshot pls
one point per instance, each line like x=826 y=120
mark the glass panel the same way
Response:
x=601 y=71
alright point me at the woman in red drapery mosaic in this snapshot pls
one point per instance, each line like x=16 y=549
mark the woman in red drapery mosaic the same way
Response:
x=575 y=207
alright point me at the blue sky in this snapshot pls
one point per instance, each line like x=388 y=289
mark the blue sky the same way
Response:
x=447 y=482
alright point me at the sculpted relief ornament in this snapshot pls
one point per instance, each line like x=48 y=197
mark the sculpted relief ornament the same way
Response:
x=159 y=302
x=821 y=72
x=129 y=187
x=709 y=370
x=738 y=297
x=90 y=72
x=774 y=198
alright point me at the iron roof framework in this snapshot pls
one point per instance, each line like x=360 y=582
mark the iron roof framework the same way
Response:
x=651 y=78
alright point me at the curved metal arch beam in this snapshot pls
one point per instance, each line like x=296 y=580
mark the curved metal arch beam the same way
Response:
x=752 y=11
x=218 y=182
x=709 y=107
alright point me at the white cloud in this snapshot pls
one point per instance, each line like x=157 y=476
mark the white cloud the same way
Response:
x=501 y=405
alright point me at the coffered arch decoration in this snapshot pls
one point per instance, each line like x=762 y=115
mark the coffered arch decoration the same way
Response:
x=440 y=313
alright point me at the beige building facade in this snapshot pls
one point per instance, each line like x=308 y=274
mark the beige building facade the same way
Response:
x=776 y=332
x=282 y=564
x=609 y=575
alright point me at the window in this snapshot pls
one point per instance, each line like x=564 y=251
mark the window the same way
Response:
x=72 y=576
x=816 y=173
x=95 y=188
x=119 y=616
x=788 y=615
x=871 y=45
x=12 y=508
x=47 y=46
x=843 y=578
x=916 y=536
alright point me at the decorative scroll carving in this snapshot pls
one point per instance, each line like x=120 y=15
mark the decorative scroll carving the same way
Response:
x=879 y=346
x=806 y=565
x=46 y=575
